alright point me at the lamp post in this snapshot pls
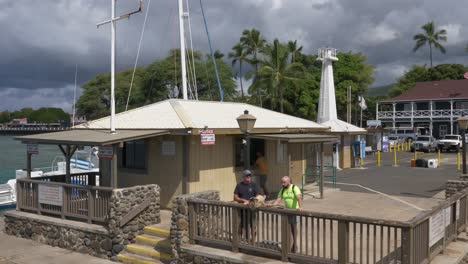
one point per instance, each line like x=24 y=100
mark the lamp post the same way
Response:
x=462 y=125
x=246 y=124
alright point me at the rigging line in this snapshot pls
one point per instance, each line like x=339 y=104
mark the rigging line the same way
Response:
x=191 y=48
x=138 y=54
x=189 y=72
x=221 y=94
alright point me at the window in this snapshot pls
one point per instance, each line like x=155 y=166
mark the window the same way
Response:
x=134 y=155
x=443 y=131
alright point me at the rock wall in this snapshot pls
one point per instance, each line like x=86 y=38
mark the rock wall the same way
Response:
x=195 y=259
x=122 y=202
x=103 y=241
x=453 y=186
x=91 y=242
x=180 y=222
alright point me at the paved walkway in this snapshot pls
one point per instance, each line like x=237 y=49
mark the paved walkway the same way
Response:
x=15 y=250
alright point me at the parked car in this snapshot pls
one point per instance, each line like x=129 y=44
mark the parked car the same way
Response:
x=392 y=140
x=408 y=134
x=424 y=143
x=450 y=142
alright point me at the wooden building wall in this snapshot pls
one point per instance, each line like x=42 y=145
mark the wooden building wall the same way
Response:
x=211 y=167
x=163 y=170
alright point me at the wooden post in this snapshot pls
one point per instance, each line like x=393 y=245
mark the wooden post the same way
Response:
x=91 y=194
x=343 y=236
x=113 y=175
x=321 y=170
x=64 y=202
x=235 y=229
x=192 y=222
x=29 y=165
x=285 y=237
x=19 y=192
x=407 y=246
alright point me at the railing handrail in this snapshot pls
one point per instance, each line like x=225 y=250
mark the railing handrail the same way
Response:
x=282 y=210
x=99 y=188
x=423 y=216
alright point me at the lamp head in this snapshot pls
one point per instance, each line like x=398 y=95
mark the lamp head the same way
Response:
x=246 y=122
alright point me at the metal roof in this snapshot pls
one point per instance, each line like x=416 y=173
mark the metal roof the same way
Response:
x=339 y=126
x=183 y=114
x=435 y=90
x=296 y=138
x=88 y=137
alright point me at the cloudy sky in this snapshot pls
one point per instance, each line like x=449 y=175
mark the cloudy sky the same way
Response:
x=43 y=41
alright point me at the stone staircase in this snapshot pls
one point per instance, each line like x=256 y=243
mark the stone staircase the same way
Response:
x=153 y=246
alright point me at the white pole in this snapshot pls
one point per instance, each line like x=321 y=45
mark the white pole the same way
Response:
x=182 y=50
x=74 y=96
x=112 y=119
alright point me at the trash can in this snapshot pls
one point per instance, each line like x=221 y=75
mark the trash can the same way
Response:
x=422 y=163
x=413 y=163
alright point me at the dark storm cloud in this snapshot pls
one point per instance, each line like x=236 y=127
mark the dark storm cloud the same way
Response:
x=42 y=41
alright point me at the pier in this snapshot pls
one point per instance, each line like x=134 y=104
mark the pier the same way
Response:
x=13 y=131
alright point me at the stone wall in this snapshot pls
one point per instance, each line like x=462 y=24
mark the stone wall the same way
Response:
x=453 y=186
x=196 y=259
x=102 y=241
x=122 y=202
x=180 y=221
x=84 y=238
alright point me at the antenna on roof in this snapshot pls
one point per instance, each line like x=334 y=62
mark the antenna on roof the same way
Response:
x=112 y=21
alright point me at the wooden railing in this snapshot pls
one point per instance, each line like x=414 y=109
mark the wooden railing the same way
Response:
x=327 y=238
x=86 y=178
x=73 y=201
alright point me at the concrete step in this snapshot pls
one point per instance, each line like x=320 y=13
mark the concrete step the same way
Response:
x=147 y=251
x=159 y=243
x=130 y=258
x=156 y=231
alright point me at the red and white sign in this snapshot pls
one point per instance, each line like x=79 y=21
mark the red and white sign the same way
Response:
x=33 y=149
x=207 y=137
x=106 y=152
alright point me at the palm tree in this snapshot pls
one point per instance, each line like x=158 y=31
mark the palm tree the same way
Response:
x=218 y=54
x=239 y=54
x=429 y=36
x=276 y=73
x=294 y=50
x=253 y=42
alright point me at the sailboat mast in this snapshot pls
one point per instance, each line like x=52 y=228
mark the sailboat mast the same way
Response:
x=182 y=50
x=113 y=21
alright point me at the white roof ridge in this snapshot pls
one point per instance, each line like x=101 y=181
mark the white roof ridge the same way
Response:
x=183 y=116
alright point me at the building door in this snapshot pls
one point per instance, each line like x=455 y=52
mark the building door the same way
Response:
x=442 y=130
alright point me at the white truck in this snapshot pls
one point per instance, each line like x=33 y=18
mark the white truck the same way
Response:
x=450 y=142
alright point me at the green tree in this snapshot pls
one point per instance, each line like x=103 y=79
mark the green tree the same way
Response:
x=429 y=36
x=294 y=50
x=239 y=55
x=276 y=74
x=49 y=115
x=423 y=74
x=253 y=42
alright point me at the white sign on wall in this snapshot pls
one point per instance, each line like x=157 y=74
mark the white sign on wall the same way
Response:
x=436 y=227
x=33 y=149
x=207 y=137
x=50 y=195
x=106 y=152
x=168 y=148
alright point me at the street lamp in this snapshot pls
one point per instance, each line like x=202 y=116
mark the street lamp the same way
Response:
x=463 y=125
x=246 y=124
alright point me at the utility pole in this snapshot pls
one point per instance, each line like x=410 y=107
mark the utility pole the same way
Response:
x=348 y=113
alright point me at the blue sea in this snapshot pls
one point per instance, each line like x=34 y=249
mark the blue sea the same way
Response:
x=13 y=157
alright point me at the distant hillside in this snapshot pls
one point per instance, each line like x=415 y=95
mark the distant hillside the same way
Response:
x=379 y=90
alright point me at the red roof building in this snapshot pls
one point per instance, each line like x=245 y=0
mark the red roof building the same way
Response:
x=434 y=106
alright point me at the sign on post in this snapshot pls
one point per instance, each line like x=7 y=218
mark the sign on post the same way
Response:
x=106 y=152
x=50 y=195
x=32 y=149
x=207 y=137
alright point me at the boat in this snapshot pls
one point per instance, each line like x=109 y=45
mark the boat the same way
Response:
x=83 y=161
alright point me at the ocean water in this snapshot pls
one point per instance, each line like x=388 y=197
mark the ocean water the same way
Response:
x=13 y=157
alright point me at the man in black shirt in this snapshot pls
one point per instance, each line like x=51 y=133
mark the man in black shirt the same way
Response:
x=244 y=191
